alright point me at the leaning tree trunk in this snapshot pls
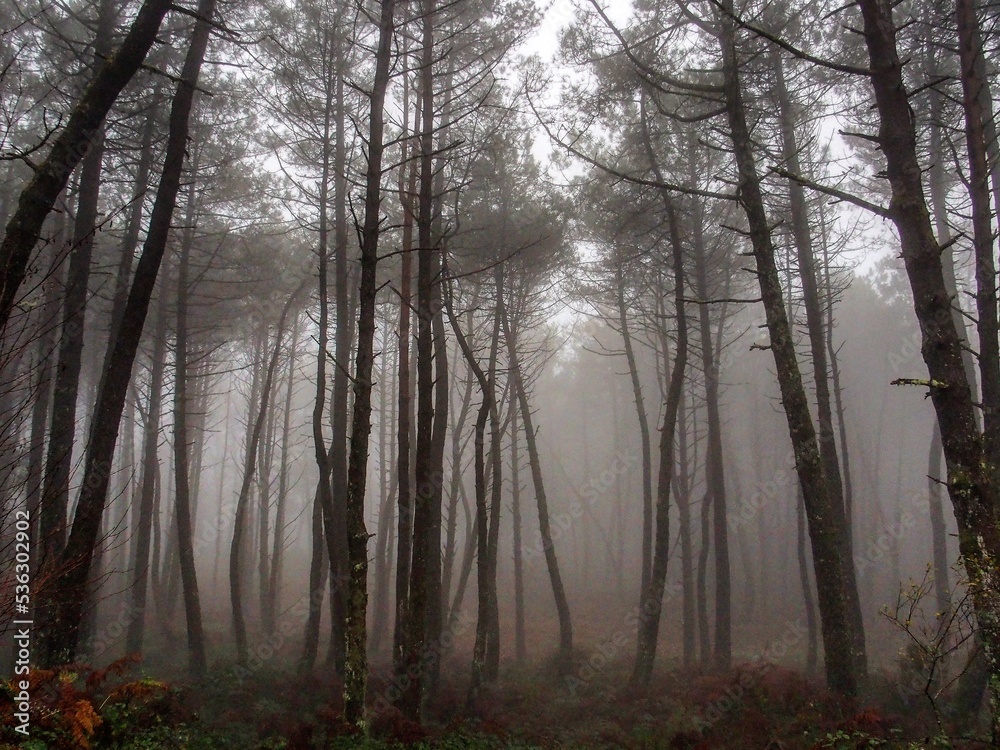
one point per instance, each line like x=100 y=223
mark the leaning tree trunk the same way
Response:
x=799 y=214
x=142 y=528
x=826 y=531
x=63 y=605
x=565 y=655
x=971 y=478
x=483 y=569
x=62 y=433
x=70 y=146
x=243 y=499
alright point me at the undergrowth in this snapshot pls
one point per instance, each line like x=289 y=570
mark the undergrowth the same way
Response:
x=118 y=708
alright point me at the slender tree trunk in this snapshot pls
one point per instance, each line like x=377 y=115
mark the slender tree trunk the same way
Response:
x=63 y=606
x=483 y=568
x=652 y=599
x=812 y=632
x=683 y=494
x=45 y=367
x=337 y=524
x=143 y=514
x=223 y=462
x=383 y=537
x=640 y=409
x=970 y=47
x=565 y=655
x=495 y=475
x=356 y=658
x=799 y=214
x=62 y=432
x=265 y=462
x=273 y=603
x=455 y=480
x=520 y=637
x=69 y=148
x=404 y=548
x=427 y=481
x=831 y=562
x=714 y=460
x=240 y=523
x=182 y=477
x=317 y=580
x=435 y=594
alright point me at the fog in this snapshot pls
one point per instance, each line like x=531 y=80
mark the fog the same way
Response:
x=498 y=375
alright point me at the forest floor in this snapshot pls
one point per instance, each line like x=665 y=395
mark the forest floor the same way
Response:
x=760 y=706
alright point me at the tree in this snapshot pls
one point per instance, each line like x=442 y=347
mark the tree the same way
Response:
x=63 y=603
x=69 y=148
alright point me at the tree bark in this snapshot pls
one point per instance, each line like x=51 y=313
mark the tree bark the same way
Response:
x=843 y=661
x=356 y=636
x=564 y=660
x=971 y=478
x=182 y=477
x=651 y=604
x=63 y=606
x=70 y=146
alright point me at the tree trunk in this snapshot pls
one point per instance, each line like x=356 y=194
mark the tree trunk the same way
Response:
x=70 y=146
x=64 y=604
x=714 y=460
x=182 y=477
x=971 y=480
x=520 y=638
x=143 y=514
x=273 y=603
x=45 y=367
x=843 y=662
x=356 y=658
x=804 y=580
x=651 y=604
x=336 y=527
x=62 y=432
x=970 y=47
x=249 y=469
x=640 y=409
x=799 y=214
x=486 y=585
x=427 y=479
x=683 y=494
x=565 y=655
x=404 y=536
x=383 y=537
